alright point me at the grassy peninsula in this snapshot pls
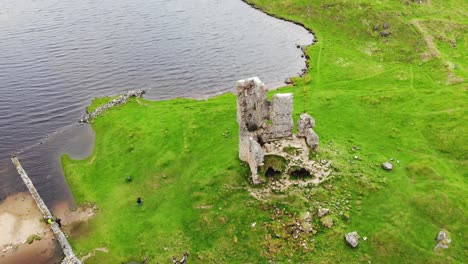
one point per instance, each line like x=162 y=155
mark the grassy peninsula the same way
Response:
x=401 y=98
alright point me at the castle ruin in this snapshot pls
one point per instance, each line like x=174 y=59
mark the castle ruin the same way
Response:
x=266 y=139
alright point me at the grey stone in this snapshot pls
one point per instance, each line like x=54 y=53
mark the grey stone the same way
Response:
x=387 y=166
x=255 y=155
x=443 y=240
x=386 y=26
x=312 y=139
x=322 y=212
x=305 y=122
x=183 y=260
x=385 y=34
x=122 y=99
x=352 y=239
x=70 y=257
x=281 y=116
x=252 y=112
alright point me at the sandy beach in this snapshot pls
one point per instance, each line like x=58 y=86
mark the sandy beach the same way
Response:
x=19 y=220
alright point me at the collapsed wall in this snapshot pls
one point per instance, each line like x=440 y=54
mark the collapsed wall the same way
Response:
x=262 y=122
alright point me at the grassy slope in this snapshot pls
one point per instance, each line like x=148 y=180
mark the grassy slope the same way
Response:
x=388 y=96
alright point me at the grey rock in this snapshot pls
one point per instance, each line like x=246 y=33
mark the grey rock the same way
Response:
x=322 y=212
x=385 y=34
x=312 y=139
x=305 y=122
x=387 y=166
x=386 y=26
x=352 y=239
x=443 y=240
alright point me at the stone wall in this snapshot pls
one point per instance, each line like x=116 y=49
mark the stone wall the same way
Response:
x=122 y=99
x=281 y=117
x=70 y=257
x=252 y=113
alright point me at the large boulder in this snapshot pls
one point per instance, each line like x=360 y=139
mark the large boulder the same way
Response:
x=352 y=239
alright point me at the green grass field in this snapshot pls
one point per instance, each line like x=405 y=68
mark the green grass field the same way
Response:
x=401 y=98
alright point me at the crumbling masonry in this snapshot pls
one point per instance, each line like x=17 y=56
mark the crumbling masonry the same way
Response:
x=266 y=129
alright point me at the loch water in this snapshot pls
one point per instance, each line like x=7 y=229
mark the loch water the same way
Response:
x=55 y=56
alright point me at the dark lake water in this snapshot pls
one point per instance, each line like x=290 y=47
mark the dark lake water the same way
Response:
x=56 y=55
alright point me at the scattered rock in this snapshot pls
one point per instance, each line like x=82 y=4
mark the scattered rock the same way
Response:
x=386 y=26
x=183 y=260
x=307 y=217
x=323 y=212
x=253 y=224
x=385 y=34
x=443 y=240
x=288 y=81
x=375 y=28
x=326 y=221
x=387 y=166
x=364 y=238
x=352 y=239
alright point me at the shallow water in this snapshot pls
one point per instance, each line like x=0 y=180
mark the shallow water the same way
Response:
x=55 y=56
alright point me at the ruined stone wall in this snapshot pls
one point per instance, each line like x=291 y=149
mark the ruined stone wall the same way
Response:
x=262 y=122
x=281 y=117
x=70 y=257
x=252 y=113
x=122 y=99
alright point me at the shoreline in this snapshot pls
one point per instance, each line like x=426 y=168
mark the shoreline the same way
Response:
x=20 y=220
x=303 y=48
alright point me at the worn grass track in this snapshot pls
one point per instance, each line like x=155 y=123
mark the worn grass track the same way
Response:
x=374 y=99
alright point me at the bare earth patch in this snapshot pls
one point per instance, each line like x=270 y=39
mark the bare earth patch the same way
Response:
x=20 y=219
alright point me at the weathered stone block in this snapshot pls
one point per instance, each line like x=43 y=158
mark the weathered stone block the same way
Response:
x=305 y=122
x=281 y=116
x=312 y=139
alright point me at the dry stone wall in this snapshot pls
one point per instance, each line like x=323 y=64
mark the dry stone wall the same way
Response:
x=122 y=99
x=70 y=257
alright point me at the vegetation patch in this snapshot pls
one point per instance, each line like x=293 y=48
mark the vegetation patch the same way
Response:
x=33 y=238
x=274 y=163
